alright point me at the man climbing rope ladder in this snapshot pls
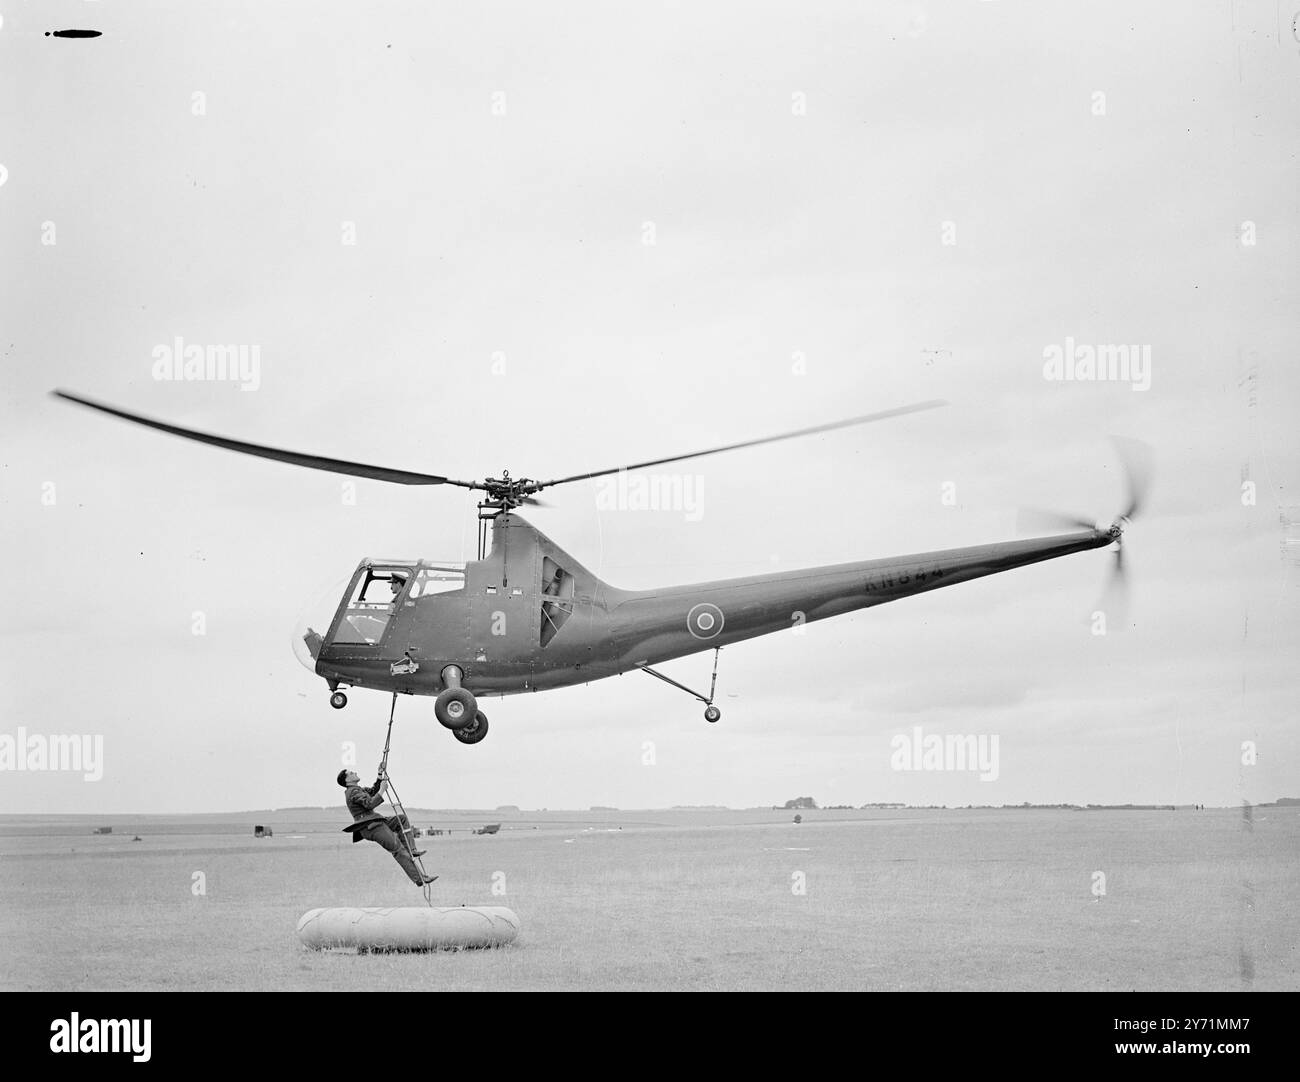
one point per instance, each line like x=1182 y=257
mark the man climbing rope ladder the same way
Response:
x=393 y=833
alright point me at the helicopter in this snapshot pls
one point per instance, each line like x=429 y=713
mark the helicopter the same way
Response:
x=527 y=616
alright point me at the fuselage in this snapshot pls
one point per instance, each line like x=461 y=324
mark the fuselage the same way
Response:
x=530 y=617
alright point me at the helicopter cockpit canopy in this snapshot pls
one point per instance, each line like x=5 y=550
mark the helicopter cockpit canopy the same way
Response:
x=358 y=612
x=376 y=592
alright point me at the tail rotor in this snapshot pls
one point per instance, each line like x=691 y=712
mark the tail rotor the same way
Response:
x=1137 y=460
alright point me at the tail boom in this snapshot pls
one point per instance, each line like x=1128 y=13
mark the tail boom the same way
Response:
x=653 y=626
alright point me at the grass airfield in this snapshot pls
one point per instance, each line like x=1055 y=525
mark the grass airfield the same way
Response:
x=691 y=899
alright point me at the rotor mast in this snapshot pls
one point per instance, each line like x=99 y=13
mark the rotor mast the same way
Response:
x=502 y=495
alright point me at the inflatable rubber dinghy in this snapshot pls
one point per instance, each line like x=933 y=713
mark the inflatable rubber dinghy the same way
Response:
x=409 y=928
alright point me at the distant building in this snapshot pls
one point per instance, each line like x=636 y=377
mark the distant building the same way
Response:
x=260 y=831
x=103 y=830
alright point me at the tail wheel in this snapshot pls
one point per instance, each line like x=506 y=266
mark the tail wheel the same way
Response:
x=712 y=714
x=475 y=731
x=455 y=708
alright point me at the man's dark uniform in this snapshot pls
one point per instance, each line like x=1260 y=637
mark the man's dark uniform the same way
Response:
x=367 y=825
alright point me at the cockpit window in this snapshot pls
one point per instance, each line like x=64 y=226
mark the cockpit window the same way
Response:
x=438 y=580
x=371 y=605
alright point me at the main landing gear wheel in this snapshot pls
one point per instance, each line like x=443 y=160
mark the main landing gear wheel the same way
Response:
x=455 y=708
x=475 y=731
x=711 y=714
x=338 y=700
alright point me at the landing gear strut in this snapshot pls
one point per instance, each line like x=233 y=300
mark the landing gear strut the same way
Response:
x=455 y=708
x=711 y=712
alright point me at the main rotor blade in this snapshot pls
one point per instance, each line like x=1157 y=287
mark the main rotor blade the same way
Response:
x=865 y=419
x=294 y=458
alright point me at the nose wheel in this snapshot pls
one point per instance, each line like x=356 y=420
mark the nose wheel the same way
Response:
x=338 y=700
x=712 y=713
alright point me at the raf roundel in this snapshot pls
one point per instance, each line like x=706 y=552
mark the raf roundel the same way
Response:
x=704 y=621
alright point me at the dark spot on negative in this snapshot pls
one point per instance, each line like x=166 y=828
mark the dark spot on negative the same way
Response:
x=72 y=33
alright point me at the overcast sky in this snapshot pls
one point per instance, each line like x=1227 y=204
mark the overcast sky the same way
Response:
x=598 y=232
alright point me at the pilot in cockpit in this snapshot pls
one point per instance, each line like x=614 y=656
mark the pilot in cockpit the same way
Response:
x=395 y=583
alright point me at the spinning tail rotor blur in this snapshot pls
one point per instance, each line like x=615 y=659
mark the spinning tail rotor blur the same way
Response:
x=1137 y=461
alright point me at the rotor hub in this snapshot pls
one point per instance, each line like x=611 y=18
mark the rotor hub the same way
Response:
x=509 y=492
